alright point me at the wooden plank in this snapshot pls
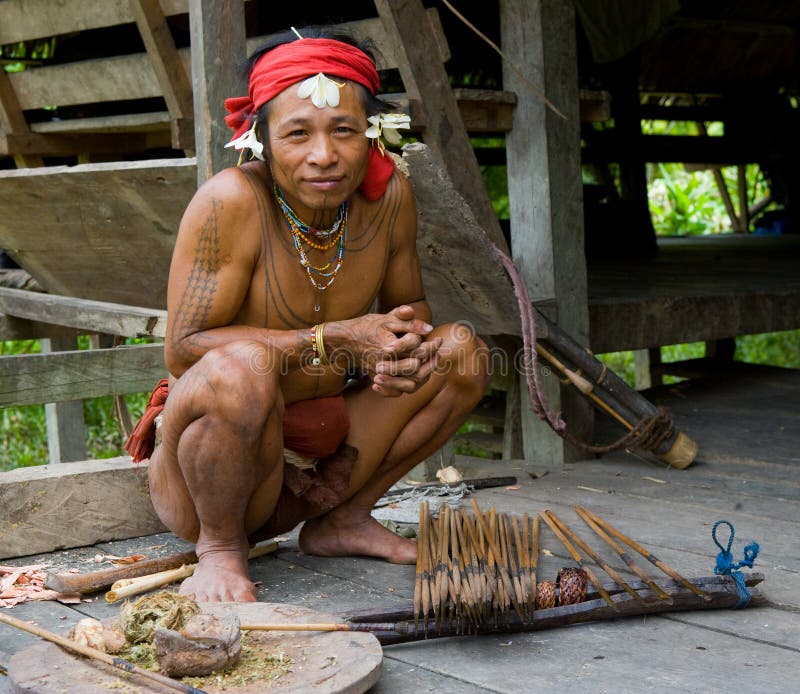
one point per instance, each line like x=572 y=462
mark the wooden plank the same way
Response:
x=169 y=69
x=13 y=328
x=90 y=81
x=639 y=323
x=445 y=132
x=66 y=427
x=218 y=47
x=544 y=178
x=29 y=379
x=107 y=230
x=126 y=122
x=94 y=316
x=65 y=144
x=51 y=507
x=133 y=76
x=23 y=20
x=482 y=110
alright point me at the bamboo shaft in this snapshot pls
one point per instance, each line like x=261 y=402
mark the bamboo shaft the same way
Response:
x=95 y=654
x=647 y=555
x=596 y=557
x=622 y=553
x=136 y=586
x=584 y=386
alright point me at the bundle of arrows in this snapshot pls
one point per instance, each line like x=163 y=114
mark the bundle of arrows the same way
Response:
x=479 y=573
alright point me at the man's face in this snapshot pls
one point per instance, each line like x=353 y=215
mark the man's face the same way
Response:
x=318 y=155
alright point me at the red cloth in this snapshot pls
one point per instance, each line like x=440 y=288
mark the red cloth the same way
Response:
x=142 y=440
x=313 y=428
x=292 y=62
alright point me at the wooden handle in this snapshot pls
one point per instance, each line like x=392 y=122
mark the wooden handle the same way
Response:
x=96 y=580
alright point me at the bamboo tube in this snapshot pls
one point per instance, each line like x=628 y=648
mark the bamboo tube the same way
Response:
x=647 y=555
x=596 y=557
x=660 y=592
x=125 y=588
x=95 y=654
x=678 y=450
x=136 y=586
x=577 y=557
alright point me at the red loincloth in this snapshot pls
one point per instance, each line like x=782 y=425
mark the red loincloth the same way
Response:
x=313 y=428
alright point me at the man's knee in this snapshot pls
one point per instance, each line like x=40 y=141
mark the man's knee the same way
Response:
x=241 y=382
x=464 y=359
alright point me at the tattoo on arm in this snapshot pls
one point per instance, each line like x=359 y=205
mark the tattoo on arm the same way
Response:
x=198 y=295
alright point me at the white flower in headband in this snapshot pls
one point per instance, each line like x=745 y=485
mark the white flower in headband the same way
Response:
x=248 y=141
x=387 y=125
x=322 y=90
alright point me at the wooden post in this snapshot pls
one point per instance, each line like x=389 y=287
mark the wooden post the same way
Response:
x=445 y=134
x=66 y=428
x=167 y=64
x=642 y=378
x=545 y=194
x=12 y=121
x=218 y=47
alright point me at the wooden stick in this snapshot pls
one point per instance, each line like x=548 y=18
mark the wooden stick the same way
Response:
x=577 y=557
x=95 y=654
x=583 y=513
x=322 y=626
x=95 y=580
x=534 y=557
x=647 y=555
x=596 y=557
x=420 y=563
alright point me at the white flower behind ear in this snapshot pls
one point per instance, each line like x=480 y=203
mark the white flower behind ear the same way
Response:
x=248 y=141
x=322 y=90
x=387 y=125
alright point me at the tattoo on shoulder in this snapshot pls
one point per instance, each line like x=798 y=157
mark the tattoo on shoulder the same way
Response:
x=201 y=285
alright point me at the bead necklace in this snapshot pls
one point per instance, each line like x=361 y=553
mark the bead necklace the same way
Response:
x=306 y=230
x=323 y=273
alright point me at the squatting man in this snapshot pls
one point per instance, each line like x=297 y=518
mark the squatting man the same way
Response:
x=305 y=375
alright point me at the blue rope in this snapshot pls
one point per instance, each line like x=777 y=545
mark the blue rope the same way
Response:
x=726 y=567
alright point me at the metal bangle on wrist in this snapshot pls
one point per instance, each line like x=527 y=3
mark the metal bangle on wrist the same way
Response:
x=320 y=357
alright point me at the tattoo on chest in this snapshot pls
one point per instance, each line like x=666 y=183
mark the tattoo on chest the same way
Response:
x=201 y=286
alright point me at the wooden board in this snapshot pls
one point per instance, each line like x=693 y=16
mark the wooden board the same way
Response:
x=85 y=314
x=125 y=77
x=695 y=289
x=31 y=379
x=97 y=231
x=334 y=662
x=72 y=505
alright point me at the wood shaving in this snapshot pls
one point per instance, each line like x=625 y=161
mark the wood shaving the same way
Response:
x=23 y=583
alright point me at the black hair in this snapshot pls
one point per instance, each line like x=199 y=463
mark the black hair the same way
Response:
x=372 y=104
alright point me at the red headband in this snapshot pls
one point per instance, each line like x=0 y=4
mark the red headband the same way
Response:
x=292 y=62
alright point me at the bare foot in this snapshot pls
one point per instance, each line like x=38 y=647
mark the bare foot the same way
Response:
x=337 y=534
x=220 y=577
